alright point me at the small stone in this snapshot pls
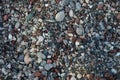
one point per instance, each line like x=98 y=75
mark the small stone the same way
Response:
x=48 y=66
x=87 y=1
x=10 y=37
x=37 y=74
x=77 y=43
x=71 y=13
x=1 y=61
x=27 y=59
x=60 y=16
x=114 y=71
x=21 y=58
x=118 y=54
x=100 y=5
x=80 y=30
x=79 y=76
x=118 y=16
x=39 y=60
x=40 y=55
x=17 y=25
x=5 y=17
x=78 y=6
x=49 y=61
x=73 y=78
x=40 y=38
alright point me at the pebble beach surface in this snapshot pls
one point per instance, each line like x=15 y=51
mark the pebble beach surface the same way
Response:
x=59 y=39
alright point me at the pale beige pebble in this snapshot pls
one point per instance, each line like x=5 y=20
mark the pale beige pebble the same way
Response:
x=73 y=78
x=39 y=60
x=70 y=34
x=87 y=1
x=79 y=76
x=77 y=43
x=27 y=58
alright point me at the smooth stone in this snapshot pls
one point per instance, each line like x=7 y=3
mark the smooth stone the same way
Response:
x=114 y=71
x=87 y=1
x=73 y=78
x=77 y=43
x=118 y=54
x=60 y=16
x=17 y=25
x=10 y=37
x=27 y=59
x=48 y=66
x=79 y=76
x=80 y=30
x=78 y=6
x=71 y=13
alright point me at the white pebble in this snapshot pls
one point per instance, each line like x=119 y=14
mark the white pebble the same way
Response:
x=60 y=16
x=71 y=13
x=10 y=37
x=17 y=25
x=79 y=76
x=73 y=78
x=114 y=71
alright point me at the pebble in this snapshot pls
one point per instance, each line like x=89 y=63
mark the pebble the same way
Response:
x=17 y=25
x=27 y=58
x=10 y=37
x=41 y=55
x=60 y=16
x=48 y=66
x=73 y=78
x=117 y=54
x=113 y=71
x=71 y=13
x=118 y=16
x=78 y=6
x=79 y=76
x=80 y=30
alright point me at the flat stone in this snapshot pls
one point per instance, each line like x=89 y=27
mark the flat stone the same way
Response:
x=48 y=66
x=78 y=6
x=80 y=30
x=40 y=55
x=60 y=16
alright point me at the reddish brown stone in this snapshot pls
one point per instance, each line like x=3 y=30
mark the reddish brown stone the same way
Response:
x=37 y=74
